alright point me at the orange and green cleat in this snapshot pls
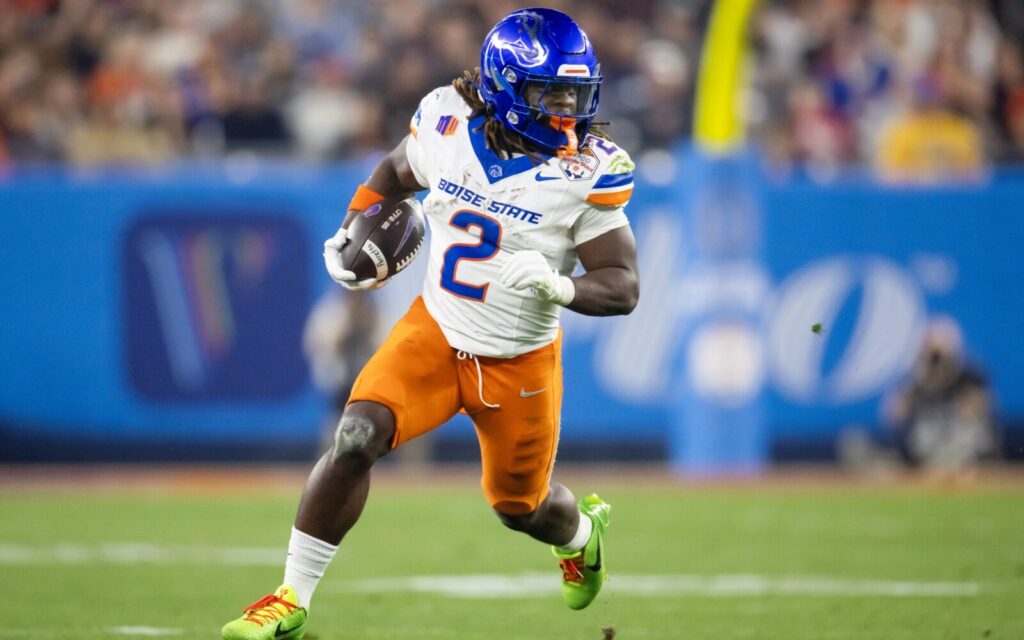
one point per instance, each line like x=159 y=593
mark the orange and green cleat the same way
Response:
x=277 y=616
x=584 y=571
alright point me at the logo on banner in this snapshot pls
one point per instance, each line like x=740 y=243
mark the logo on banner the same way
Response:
x=213 y=306
x=883 y=308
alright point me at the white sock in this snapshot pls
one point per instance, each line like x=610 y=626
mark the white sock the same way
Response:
x=582 y=535
x=307 y=560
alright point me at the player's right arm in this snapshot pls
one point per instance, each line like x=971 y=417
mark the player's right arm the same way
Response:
x=391 y=177
x=396 y=175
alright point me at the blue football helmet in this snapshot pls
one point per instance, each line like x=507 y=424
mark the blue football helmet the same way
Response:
x=532 y=53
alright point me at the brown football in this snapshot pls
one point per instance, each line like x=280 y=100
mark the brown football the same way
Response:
x=384 y=238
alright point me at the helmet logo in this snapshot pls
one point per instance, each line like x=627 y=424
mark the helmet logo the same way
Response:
x=528 y=51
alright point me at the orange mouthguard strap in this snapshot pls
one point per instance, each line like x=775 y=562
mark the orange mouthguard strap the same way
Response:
x=364 y=197
x=567 y=126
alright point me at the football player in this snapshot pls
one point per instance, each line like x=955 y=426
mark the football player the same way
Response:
x=522 y=188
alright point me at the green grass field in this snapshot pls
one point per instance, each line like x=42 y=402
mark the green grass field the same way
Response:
x=689 y=562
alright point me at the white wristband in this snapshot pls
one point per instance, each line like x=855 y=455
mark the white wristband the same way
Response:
x=565 y=291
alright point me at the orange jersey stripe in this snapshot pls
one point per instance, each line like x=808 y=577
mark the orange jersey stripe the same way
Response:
x=610 y=199
x=414 y=132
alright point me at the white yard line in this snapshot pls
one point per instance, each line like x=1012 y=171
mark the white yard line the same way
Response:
x=146 y=631
x=130 y=631
x=488 y=586
x=543 y=585
x=141 y=553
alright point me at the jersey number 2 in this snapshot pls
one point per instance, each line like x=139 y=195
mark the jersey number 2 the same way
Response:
x=485 y=249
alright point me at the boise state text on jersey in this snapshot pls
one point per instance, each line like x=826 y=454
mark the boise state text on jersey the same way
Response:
x=493 y=206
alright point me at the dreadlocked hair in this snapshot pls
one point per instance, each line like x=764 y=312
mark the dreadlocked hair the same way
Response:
x=499 y=138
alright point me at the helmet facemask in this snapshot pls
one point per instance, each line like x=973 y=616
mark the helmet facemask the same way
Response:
x=564 y=103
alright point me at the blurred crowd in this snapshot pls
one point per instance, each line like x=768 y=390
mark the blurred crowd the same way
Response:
x=837 y=82
x=918 y=89
x=145 y=81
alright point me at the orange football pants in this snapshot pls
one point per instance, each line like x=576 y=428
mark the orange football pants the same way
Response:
x=424 y=382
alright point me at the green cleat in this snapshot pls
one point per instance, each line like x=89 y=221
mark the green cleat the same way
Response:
x=274 y=617
x=584 y=572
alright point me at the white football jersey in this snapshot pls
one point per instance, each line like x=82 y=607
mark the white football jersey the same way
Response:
x=481 y=209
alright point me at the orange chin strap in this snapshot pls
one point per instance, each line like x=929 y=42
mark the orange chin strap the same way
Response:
x=566 y=125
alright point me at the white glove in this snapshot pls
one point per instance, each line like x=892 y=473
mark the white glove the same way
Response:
x=529 y=269
x=338 y=273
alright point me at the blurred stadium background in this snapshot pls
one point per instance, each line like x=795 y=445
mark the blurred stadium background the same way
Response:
x=169 y=171
x=823 y=214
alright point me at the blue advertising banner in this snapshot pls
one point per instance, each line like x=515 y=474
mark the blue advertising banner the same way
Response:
x=170 y=307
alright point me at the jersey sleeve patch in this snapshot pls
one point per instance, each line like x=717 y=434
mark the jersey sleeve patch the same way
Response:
x=446 y=125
